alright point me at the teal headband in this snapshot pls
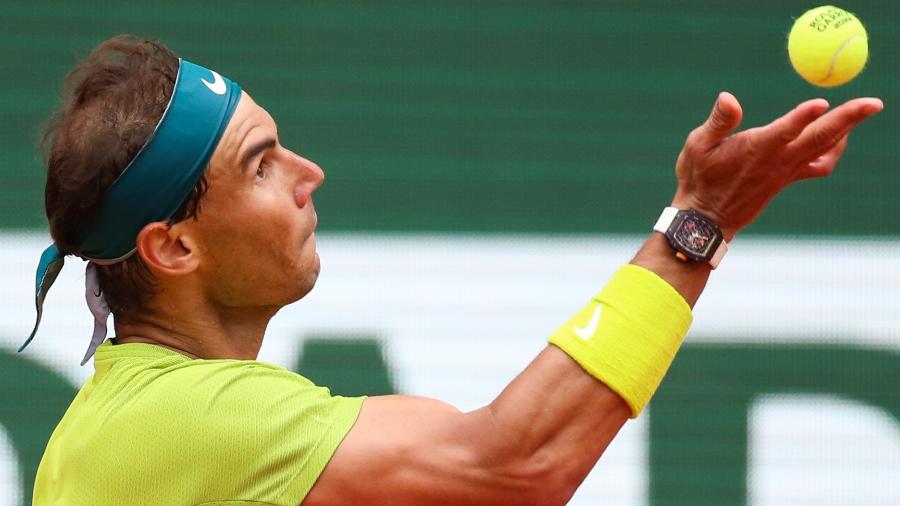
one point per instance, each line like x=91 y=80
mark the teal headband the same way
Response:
x=152 y=187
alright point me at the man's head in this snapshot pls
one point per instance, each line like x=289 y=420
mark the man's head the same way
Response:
x=253 y=244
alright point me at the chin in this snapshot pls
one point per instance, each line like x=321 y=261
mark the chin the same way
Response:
x=307 y=279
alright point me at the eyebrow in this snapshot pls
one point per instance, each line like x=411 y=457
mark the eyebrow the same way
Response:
x=255 y=150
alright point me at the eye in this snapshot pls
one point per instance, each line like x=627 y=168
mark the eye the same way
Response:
x=261 y=172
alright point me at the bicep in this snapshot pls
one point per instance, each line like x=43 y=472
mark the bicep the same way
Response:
x=412 y=450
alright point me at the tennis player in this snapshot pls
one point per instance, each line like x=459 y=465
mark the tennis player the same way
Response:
x=198 y=225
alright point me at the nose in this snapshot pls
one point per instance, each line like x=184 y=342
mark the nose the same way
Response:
x=309 y=178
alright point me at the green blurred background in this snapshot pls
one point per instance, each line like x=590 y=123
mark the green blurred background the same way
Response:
x=493 y=117
x=485 y=116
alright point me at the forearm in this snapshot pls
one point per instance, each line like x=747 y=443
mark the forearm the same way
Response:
x=532 y=445
x=555 y=417
x=550 y=425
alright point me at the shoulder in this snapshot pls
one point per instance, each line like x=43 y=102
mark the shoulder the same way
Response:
x=241 y=426
x=205 y=401
x=203 y=388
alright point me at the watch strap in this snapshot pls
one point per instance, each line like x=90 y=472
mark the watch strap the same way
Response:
x=719 y=254
x=665 y=219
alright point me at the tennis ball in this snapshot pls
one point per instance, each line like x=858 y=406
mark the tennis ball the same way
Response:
x=828 y=46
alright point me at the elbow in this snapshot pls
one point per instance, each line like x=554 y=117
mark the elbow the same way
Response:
x=549 y=482
x=521 y=468
x=536 y=479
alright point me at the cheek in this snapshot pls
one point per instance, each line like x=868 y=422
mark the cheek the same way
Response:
x=268 y=243
x=258 y=237
x=264 y=214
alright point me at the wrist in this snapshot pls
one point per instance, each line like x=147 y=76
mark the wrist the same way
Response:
x=628 y=334
x=683 y=202
x=693 y=236
x=688 y=278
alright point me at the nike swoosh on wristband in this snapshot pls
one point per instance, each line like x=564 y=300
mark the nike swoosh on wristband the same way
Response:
x=218 y=84
x=590 y=329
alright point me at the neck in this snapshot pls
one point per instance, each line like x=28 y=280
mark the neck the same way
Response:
x=204 y=331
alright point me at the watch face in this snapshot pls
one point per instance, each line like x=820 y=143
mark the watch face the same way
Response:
x=696 y=236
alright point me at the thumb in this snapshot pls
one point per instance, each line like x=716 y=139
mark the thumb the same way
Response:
x=724 y=118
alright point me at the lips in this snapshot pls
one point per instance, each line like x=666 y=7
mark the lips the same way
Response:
x=315 y=215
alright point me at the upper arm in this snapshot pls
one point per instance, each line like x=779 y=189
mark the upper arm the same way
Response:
x=411 y=450
x=534 y=444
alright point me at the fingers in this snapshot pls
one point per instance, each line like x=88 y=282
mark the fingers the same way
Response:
x=824 y=164
x=788 y=127
x=824 y=133
x=724 y=118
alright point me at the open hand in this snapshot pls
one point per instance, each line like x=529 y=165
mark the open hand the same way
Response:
x=731 y=178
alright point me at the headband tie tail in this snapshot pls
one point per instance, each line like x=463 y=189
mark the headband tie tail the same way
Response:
x=97 y=304
x=48 y=269
x=153 y=185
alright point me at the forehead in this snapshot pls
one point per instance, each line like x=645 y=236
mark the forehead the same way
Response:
x=249 y=123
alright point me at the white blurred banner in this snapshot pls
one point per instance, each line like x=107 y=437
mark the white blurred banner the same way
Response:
x=459 y=316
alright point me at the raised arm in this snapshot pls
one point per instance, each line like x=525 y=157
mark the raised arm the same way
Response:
x=536 y=442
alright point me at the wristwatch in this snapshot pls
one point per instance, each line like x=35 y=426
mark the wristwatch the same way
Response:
x=692 y=235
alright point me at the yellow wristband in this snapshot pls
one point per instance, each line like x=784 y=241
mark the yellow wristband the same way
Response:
x=628 y=335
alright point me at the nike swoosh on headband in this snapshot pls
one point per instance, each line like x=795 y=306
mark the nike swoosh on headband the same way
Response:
x=218 y=85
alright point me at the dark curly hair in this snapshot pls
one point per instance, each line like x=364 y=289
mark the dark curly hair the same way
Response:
x=111 y=104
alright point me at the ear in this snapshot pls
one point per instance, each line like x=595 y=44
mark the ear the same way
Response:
x=167 y=250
